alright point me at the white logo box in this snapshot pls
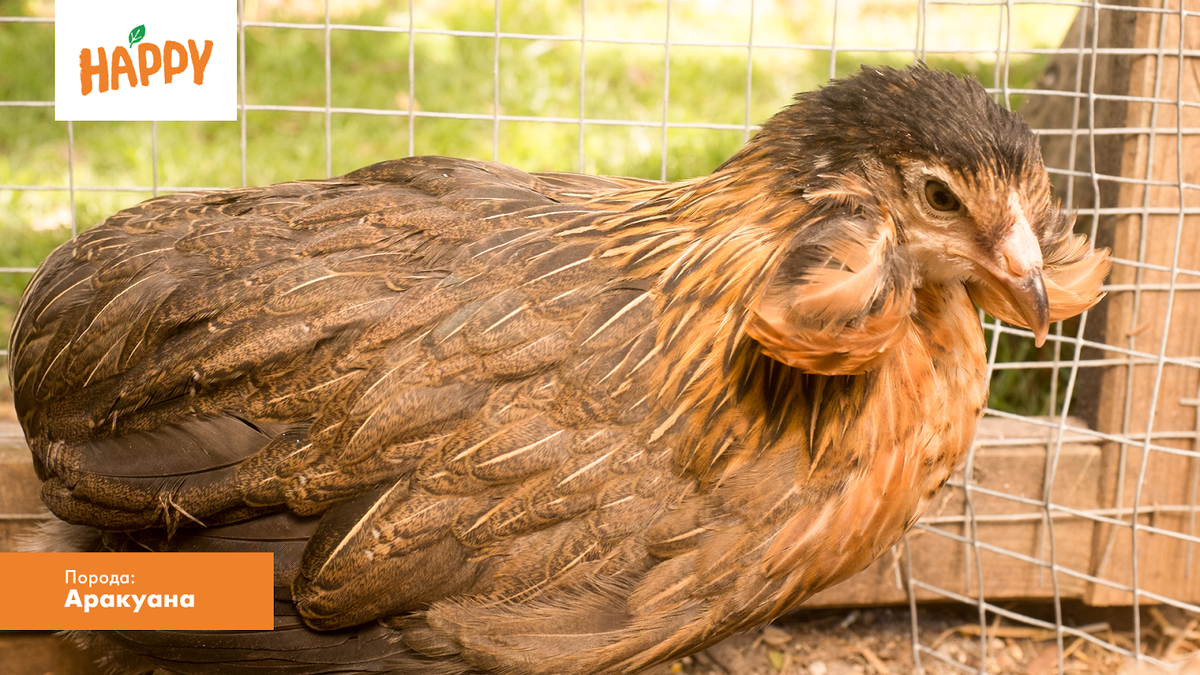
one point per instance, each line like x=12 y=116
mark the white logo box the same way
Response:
x=121 y=52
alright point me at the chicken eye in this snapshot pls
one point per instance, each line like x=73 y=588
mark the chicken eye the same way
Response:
x=939 y=197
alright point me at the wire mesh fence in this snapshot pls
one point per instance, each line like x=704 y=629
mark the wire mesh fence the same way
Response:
x=1083 y=486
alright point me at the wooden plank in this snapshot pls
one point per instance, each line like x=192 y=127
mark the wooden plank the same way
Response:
x=1011 y=458
x=1136 y=321
x=20 y=503
x=28 y=652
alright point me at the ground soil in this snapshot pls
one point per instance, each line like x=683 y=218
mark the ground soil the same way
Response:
x=879 y=642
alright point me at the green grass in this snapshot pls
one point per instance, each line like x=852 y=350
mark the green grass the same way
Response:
x=452 y=74
x=1027 y=391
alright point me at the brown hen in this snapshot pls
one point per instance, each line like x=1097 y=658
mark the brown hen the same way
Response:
x=498 y=422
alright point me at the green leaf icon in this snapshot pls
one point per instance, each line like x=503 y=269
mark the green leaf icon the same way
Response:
x=136 y=35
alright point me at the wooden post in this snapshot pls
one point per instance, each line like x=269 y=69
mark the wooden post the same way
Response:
x=1135 y=140
x=1145 y=315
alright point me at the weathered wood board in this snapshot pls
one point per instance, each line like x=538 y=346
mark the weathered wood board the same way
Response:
x=28 y=652
x=20 y=505
x=1131 y=170
x=1146 y=395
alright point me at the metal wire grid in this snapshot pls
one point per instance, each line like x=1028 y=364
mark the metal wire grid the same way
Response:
x=1085 y=92
x=1085 y=98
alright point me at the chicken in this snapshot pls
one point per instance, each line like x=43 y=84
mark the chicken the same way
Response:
x=498 y=422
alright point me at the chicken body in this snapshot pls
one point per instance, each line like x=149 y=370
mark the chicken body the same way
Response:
x=491 y=421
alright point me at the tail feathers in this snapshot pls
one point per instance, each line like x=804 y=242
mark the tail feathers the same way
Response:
x=193 y=472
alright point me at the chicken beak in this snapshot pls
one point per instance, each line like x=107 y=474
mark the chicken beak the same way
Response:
x=1029 y=296
x=1019 y=273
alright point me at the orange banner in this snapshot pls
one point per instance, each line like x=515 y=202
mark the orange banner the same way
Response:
x=136 y=591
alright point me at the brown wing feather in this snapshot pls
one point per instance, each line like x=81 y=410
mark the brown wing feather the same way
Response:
x=403 y=373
